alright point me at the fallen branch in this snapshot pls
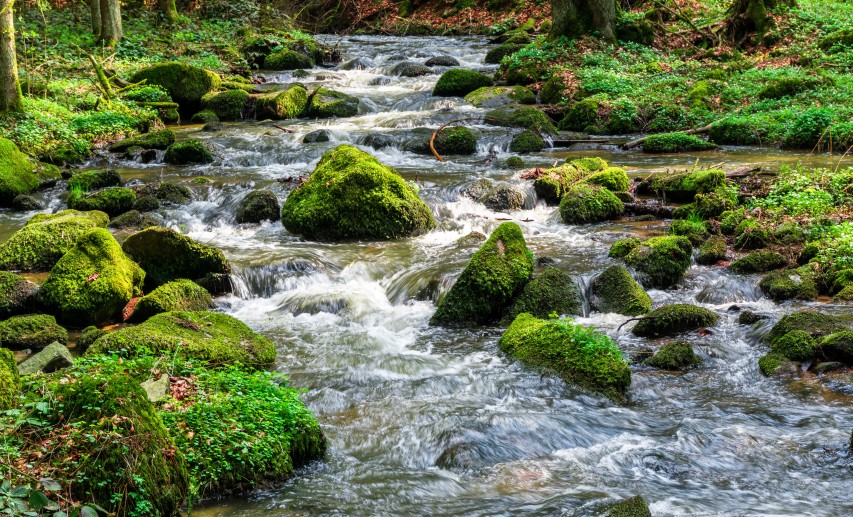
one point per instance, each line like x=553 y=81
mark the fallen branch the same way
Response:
x=699 y=130
x=286 y=130
x=638 y=318
x=743 y=171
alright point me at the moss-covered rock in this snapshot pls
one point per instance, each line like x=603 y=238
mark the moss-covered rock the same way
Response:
x=91 y=284
x=16 y=294
x=623 y=247
x=168 y=193
x=154 y=140
x=751 y=234
x=682 y=186
x=178 y=295
x=551 y=292
x=817 y=324
x=526 y=117
x=351 y=195
x=495 y=55
x=796 y=345
x=614 y=290
x=495 y=275
x=89 y=335
x=553 y=183
x=584 y=203
x=527 y=142
x=800 y=283
x=578 y=354
x=290 y=103
x=775 y=364
x=713 y=204
x=633 y=507
x=88 y=181
x=450 y=140
x=459 y=82
x=19 y=175
x=207 y=336
x=287 y=59
x=204 y=116
x=45 y=239
x=257 y=206
x=674 y=319
x=838 y=346
x=676 y=143
x=695 y=231
x=736 y=131
x=712 y=251
x=327 y=103
x=166 y=255
x=189 y=152
x=10 y=381
x=503 y=198
x=146 y=204
x=661 y=261
x=34 y=331
x=678 y=355
x=759 y=262
x=613 y=179
x=185 y=83
x=497 y=96
x=226 y=105
x=112 y=201
x=514 y=162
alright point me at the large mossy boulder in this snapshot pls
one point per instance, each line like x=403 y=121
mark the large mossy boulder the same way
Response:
x=208 y=336
x=177 y=295
x=674 y=319
x=615 y=290
x=326 y=103
x=161 y=140
x=450 y=140
x=496 y=96
x=661 y=261
x=91 y=284
x=112 y=201
x=614 y=179
x=695 y=231
x=228 y=105
x=584 y=204
x=45 y=239
x=552 y=292
x=712 y=251
x=490 y=282
x=288 y=59
x=31 y=331
x=16 y=295
x=10 y=380
x=459 y=82
x=553 y=183
x=759 y=262
x=675 y=356
x=527 y=117
x=526 y=142
x=89 y=181
x=290 y=103
x=257 y=206
x=166 y=255
x=189 y=152
x=578 y=354
x=682 y=186
x=19 y=175
x=351 y=195
x=789 y=284
x=837 y=346
x=185 y=83
x=817 y=324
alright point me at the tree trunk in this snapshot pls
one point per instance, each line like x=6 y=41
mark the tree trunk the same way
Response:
x=95 y=9
x=170 y=11
x=10 y=88
x=746 y=17
x=111 y=31
x=575 y=18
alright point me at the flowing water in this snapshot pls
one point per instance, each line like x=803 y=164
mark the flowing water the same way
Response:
x=423 y=420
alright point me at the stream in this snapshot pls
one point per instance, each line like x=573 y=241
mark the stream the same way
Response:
x=423 y=420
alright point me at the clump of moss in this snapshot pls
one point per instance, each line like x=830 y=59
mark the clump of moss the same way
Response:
x=16 y=294
x=751 y=234
x=257 y=206
x=614 y=290
x=154 y=140
x=185 y=83
x=577 y=354
x=19 y=175
x=178 y=295
x=34 y=331
x=633 y=507
x=695 y=231
x=713 y=204
x=495 y=275
x=838 y=346
x=674 y=319
x=736 y=131
x=514 y=162
x=676 y=143
x=771 y=364
x=92 y=283
x=287 y=59
x=455 y=140
x=166 y=255
x=526 y=142
x=459 y=82
x=88 y=181
x=227 y=105
x=495 y=55
x=113 y=201
x=351 y=195
x=662 y=261
x=526 y=117
x=10 y=380
x=191 y=151
x=808 y=129
x=800 y=283
x=712 y=251
x=551 y=292
x=327 y=103
x=206 y=336
x=613 y=179
x=623 y=247
x=796 y=345
x=553 y=183
x=678 y=355
x=89 y=335
x=290 y=103
x=682 y=186
x=45 y=239
x=583 y=204
x=497 y=96
x=759 y=262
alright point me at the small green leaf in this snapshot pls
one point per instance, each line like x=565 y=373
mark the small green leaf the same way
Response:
x=38 y=500
x=50 y=485
x=20 y=491
x=88 y=511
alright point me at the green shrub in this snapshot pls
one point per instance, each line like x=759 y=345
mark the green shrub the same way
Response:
x=675 y=143
x=809 y=128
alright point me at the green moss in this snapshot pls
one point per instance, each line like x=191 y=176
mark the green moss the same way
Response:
x=583 y=204
x=808 y=129
x=286 y=59
x=682 y=186
x=551 y=292
x=712 y=251
x=614 y=290
x=207 y=336
x=351 y=195
x=496 y=96
x=514 y=162
x=191 y=151
x=204 y=117
x=771 y=363
x=696 y=232
x=715 y=203
x=674 y=319
x=168 y=193
x=553 y=183
x=675 y=143
x=154 y=140
x=613 y=179
x=581 y=115
x=92 y=283
x=678 y=355
x=89 y=335
x=19 y=175
x=330 y=104
x=178 y=295
x=759 y=262
x=526 y=117
x=737 y=131
x=815 y=323
x=495 y=55
x=838 y=346
x=590 y=164
x=45 y=239
x=166 y=255
x=623 y=247
x=730 y=219
x=257 y=206
x=790 y=284
x=455 y=140
x=554 y=90
x=94 y=180
x=31 y=331
x=16 y=294
x=796 y=345
x=10 y=381
x=185 y=83
x=662 y=261
x=459 y=82
x=633 y=507
x=840 y=40
x=526 y=142
x=578 y=354
x=496 y=273
x=787 y=87
x=226 y=105
x=113 y=201
x=290 y=103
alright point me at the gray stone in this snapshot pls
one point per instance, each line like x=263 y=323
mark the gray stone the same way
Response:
x=156 y=390
x=52 y=358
